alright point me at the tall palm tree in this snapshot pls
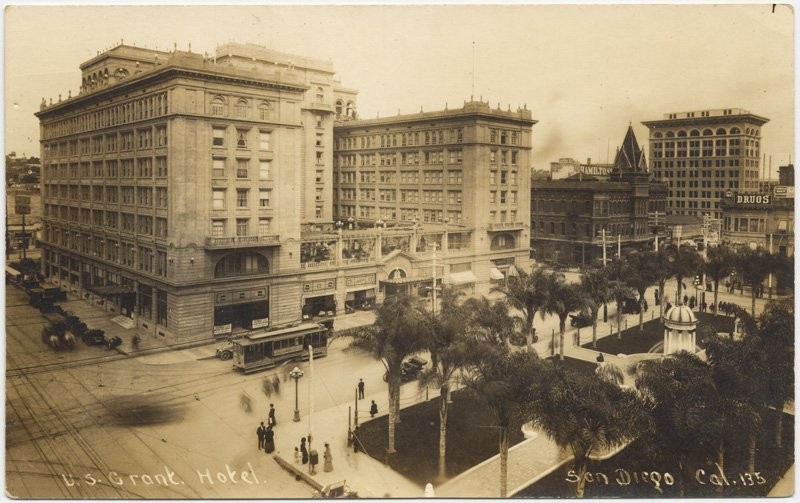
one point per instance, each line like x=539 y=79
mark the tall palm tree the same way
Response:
x=594 y=283
x=680 y=393
x=640 y=274
x=719 y=264
x=684 y=264
x=489 y=321
x=528 y=293
x=450 y=351
x=400 y=330
x=754 y=266
x=663 y=272
x=564 y=298
x=503 y=379
x=619 y=292
x=585 y=413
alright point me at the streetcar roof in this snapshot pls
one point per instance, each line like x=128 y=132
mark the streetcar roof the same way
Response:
x=305 y=328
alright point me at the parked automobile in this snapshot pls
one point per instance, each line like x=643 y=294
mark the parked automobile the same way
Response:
x=630 y=306
x=225 y=350
x=409 y=369
x=580 y=320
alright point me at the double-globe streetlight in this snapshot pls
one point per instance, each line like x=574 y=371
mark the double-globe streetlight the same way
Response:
x=296 y=374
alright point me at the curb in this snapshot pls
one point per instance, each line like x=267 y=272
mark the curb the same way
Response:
x=298 y=473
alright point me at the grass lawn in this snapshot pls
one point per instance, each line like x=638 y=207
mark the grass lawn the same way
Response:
x=771 y=463
x=471 y=437
x=635 y=341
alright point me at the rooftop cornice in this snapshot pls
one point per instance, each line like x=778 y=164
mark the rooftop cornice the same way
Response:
x=696 y=121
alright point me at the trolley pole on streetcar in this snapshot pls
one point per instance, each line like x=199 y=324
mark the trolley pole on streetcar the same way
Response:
x=296 y=374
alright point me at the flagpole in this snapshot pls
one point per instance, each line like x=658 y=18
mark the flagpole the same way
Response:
x=310 y=395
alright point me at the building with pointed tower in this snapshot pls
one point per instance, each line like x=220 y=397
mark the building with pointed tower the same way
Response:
x=571 y=218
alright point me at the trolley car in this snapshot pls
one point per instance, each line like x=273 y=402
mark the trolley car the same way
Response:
x=257 y=351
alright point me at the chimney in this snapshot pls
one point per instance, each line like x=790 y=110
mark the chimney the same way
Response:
x=588 y=160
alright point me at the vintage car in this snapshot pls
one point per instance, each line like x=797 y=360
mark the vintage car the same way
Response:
x=409 y=369
x=580 y=320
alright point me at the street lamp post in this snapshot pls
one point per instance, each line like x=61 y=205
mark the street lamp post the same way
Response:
x=296 y=374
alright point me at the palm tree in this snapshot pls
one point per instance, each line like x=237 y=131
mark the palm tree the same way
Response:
x=528 y=293
x=400 y=330
x=563 y=299
x=594 y=283
x=450 y=351
x=719 y=265
x=489 y=321
x=503 y=379
x=585 y=413
x=640 y=274
x=684 y=264
x=663 y=272
x=681 y=396
x=620 y=292
x=754 y=266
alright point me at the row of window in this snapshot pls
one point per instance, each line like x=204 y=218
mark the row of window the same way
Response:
x=142 y=258
x=147 y=107
x=244 y=170
x=220 y=227
x=243 y=137
x=219 y=198
x=242 y=108
x=141 y=196
x=589 y=231
x=406 y=196
x=139 y=167
x=705 y=163
x=429 y=137
x=138 y=139
x=127 y=222
x=706 y=132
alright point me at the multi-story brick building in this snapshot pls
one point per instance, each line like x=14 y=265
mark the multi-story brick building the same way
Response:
x=703 y=154
x=175 y=184
x=456 y=177
x=568 y=216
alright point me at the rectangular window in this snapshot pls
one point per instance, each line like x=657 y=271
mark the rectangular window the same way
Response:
x=264 y=170
x=263 y=226
x=218 y=199
x=263 y=140
x=241 y=138
x=218 y=168
x=241 y=168
x=241 y=226
x=161 y=167
x=241 y=198
x=219 y=137
x=263 y=197
x=218 y=228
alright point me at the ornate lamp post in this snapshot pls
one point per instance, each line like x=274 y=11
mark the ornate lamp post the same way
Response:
x=296 y=374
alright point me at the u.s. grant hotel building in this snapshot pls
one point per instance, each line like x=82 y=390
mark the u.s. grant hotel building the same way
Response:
x=203 y=196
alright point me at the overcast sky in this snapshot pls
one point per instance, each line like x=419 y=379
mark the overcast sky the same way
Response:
x=585 y=71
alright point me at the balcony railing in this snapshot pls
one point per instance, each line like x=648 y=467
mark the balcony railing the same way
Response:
x=317 y=265
x=505 y=226
x=242 y=241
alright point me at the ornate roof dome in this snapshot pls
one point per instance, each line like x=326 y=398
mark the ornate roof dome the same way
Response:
x=680 y=317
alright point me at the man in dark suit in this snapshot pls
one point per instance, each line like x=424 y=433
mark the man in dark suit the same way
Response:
x=271 y=415
x=261 y=432
x=360 y=389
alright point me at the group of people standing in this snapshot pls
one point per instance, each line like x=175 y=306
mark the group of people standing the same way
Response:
x=266 y=435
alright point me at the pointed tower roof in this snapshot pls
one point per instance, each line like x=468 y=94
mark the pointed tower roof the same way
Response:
x=630 y=158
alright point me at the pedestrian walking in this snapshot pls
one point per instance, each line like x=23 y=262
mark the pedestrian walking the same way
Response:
x=360 y=389
x=703 y=307
x=261 y=432
x=303 y=451
x=645 y=305
x=669 y=306
x=685 y=300
x=271 y=416
x=373 y=409
x=269 y=441
x=276 y=384
x=327 y=458
x=296 y=456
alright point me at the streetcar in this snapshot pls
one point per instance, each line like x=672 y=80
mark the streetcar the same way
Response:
x=262 y=350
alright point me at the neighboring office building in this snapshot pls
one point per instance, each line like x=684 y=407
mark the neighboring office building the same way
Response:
x=566 y=167
x=456 y=178
x=763 y=220
x=568 y=216
x=175 y=185
x=23 y=218
x=703 y=154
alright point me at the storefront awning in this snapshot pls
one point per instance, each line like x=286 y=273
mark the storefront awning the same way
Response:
x=495 y=273
x=110 y=290
x=462 y=278
x=512 y=271
x=405 y=281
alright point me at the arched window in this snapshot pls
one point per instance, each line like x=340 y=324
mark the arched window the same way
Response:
x=121 y=73
x=241 y=108
x=351 y=110
x=721 y=131
x=397 y=273
x=658 y=135
x=681 y=134
x=503 y=137
x=320 y=95
x=265 y=110
x=503 y=242
x=735 y=130
x=694 y=132
x=707 y=132
x=241 y=263
x=218 y=106
x=339 y=105
x=670 y=134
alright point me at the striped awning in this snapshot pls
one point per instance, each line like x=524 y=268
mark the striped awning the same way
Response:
x=495 y=273
x=462 y=278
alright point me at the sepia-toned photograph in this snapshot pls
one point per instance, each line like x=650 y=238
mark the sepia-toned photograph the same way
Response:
x=408 y=251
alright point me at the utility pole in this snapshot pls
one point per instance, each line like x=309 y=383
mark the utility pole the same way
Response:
x=619 y=245
x=433 y=309
x=769 y=278
x=604 y=246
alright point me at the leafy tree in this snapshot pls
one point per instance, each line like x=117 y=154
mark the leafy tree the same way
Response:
x=754 y=266
x=502 y=379
x=450 y=351
x=400 y=330
x=594 y=283
x=640 y=274
x=563 y=299
x=663 y=272
x=680 y=394
x=585 y=413
x=684 y=262
x=528 y=293
x=718 y=266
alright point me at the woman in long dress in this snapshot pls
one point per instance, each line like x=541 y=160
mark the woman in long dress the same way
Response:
x=269 y=440
x=328 y=459
x=303 y=450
